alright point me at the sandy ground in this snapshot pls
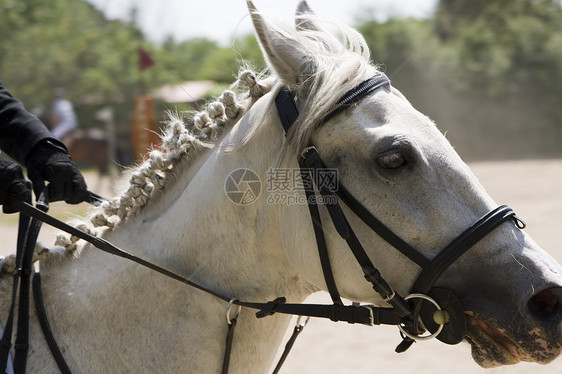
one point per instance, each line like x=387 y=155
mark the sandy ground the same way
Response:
x=533 y=188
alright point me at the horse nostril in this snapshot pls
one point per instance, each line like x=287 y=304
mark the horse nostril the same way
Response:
x=546 y=303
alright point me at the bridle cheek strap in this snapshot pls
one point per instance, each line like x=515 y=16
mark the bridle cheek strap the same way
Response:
x=453 y=332
x=311 y=165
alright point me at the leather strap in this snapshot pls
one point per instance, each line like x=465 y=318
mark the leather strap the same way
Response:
x=286 y=108
x=104 y=245
x=288 y=346
x=356 y=94
x=28 y=232
x=95 y=199
x=462 y=243
x=380 y=229
x=45 y=326
x=351 y=314
x=22 y=340
x=319 y=234
x=365 y=315
x=288 y=112
x=312 y=160
x=228 y=349
x=6 y=343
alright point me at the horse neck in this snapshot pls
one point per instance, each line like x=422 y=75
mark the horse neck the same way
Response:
x=234 y=250
x=196 y=231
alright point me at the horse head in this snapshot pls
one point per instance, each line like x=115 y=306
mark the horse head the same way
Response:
x=396 y=163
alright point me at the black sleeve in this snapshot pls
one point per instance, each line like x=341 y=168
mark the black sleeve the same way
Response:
x=20 y=131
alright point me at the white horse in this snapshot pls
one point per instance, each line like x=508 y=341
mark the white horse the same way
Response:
x=110 y=315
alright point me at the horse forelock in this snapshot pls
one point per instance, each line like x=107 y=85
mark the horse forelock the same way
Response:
x=341 y=61
x=338 y=63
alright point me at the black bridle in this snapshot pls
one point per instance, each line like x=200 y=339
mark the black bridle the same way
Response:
x=424 y=301
x=451 y=327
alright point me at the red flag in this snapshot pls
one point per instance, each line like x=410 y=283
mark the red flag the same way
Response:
x=145 y=61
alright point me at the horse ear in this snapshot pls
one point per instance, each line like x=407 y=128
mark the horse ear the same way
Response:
x=304 y=19
x=287 y=56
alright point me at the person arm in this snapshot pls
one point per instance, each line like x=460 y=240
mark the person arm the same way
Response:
x=28 y=141
x=20 y=131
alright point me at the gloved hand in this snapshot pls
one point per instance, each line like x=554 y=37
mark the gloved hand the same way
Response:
x=50 y=162
x=12 y=184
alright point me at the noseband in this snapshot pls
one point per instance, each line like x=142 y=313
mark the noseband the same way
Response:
x=439 y=310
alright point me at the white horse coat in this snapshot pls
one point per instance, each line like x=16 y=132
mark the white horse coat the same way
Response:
x=113 y=316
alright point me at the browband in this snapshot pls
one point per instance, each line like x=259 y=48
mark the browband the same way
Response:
x=288 y=111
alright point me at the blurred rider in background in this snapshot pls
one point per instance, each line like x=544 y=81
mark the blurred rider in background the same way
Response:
x=63 y=116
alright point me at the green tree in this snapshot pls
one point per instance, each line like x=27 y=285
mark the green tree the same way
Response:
x=487 y=71
x=504 y=46
x=66 y=44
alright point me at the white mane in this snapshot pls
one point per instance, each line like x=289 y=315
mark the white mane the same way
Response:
x=181 y=141
x=337 y=62
x=339 y=65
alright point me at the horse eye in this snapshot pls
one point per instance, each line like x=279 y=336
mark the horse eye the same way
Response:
x=392 y=161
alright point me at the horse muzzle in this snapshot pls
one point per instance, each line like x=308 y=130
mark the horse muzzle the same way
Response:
x=531 y=333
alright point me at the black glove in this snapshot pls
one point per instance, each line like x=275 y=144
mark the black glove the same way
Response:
x=50 y=162
x=13 y=185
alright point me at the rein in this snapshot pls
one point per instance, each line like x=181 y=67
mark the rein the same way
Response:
x=28 y=231
x=438 y=309
x=362 y=314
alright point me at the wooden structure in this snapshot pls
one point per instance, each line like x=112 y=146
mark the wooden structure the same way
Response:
x=145 y=133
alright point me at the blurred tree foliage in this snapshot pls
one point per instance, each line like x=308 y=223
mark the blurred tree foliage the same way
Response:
x=487 y=71
x=70 y=44
x=503 y=45
x=65 y=44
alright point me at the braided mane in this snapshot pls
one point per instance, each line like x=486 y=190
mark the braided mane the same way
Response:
x=180 y=138
x=339 y=63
